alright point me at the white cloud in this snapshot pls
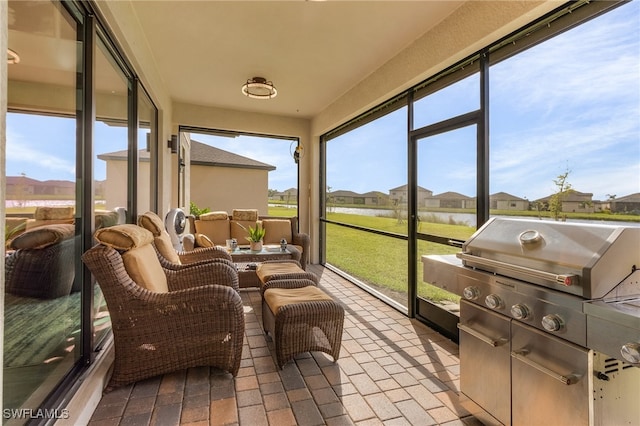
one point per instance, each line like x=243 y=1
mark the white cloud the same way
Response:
x=23 y=156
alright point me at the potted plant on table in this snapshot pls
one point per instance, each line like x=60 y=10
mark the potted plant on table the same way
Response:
x=256 y=235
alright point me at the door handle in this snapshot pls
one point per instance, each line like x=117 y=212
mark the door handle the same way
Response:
x=521 y=355
x=483 y=337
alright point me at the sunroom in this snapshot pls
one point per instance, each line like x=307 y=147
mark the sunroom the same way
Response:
x=390 y=130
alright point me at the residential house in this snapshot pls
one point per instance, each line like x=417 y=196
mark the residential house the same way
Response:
x=505 y=201
x=288 y=196
x=223 y=181
x=400 y=195
x=572 y=202
x=212 y=171
x=627 y=204
x=372 y=198
x=451 y=200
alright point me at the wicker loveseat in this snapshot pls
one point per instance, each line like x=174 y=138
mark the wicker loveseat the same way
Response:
x=218 y=227
x=164 y=320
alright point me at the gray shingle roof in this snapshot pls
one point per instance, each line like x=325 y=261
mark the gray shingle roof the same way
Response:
x=202 y=155
x=206 y=155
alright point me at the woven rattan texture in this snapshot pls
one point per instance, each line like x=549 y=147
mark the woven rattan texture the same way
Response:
x=305 y=326
x=192 y=325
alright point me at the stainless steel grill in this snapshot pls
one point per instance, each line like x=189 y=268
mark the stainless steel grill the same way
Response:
x=547 y=309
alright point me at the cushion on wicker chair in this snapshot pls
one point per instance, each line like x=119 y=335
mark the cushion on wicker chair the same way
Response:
x=266 y=270
x=123 y=237
x=216 y=230
x=162 y=240
x=43 y=236
x=151 y=222
x=140 y=259
x=278 y=297
x=204 y=241
x=245 y=214
x=53 y=213
x=214 y=216
x=276 y=230
x=143 y=267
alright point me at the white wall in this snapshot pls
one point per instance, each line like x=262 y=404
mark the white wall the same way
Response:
x=228 y=188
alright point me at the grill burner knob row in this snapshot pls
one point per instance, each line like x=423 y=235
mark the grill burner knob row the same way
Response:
x=493 y=301
x=520 y=311
x=471 y=293
x=552 y=322
x=631 y=352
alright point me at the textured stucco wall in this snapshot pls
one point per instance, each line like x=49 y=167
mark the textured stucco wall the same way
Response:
x=228 y=188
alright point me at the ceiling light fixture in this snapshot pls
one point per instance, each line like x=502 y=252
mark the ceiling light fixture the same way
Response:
x=259 y=88
x=12 y=57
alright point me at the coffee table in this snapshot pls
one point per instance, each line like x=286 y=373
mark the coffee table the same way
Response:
x=246 y=261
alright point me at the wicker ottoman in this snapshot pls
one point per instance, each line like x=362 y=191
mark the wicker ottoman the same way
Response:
x=302 y=320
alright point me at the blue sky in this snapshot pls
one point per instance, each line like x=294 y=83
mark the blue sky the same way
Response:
x=571 y=104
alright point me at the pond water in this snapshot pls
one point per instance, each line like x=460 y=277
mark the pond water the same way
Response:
x=460 y=218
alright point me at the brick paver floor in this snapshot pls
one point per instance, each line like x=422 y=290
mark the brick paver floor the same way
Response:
x=392 y=371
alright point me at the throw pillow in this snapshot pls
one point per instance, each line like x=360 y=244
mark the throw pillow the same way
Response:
x=43 y=236
x=152 y=222
x=123 y=237
x=203 y=241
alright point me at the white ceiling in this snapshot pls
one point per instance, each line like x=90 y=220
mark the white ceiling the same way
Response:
x=313 y=52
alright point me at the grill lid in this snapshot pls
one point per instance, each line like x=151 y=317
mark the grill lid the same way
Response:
x=583 y=259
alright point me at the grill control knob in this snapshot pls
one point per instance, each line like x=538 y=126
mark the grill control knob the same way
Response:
x=471 y=293
x=493 y=301
x=552 y=322
x=631 y=352
x=520 y=311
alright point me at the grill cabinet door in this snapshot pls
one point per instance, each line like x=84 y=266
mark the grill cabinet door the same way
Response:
x=485 y=360
x=551 y=379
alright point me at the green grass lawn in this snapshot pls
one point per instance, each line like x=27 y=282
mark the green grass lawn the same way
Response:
x=381 y=261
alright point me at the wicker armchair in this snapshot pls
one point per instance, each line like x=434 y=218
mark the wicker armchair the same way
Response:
x=164 y=320
x=162 y=242
x=38 y=263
